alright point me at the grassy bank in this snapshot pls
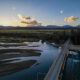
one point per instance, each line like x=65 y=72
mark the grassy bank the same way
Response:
x=53 y=35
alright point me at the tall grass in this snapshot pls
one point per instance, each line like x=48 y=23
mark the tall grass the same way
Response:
x=53 y=35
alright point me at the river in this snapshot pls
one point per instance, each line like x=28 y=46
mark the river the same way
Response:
x=26 y=62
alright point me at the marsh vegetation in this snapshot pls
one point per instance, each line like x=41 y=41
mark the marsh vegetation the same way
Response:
x=52 y=35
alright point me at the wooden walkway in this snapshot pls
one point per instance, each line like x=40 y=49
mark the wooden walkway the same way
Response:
x=55 y=70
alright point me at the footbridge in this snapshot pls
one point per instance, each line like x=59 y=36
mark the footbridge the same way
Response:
x=55 y=72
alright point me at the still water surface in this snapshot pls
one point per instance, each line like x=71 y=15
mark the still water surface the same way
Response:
x=72 y=68
x=36 y=71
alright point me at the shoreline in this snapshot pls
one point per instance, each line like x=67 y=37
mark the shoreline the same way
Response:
x=74 y=48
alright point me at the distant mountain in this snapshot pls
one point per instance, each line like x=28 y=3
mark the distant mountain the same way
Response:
x=52 y=26
x=67 y=26
x=62 y=27
x=42 y=27
x=1 y=27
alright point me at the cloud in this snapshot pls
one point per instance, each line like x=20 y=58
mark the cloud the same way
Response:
x=28 y=21
x=23 y=18
x=77 y=24
x=71 y=19
x=61 y=11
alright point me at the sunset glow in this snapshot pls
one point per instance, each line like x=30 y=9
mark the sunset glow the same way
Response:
x=39 y=12
x=5 y=24
x=39 y=39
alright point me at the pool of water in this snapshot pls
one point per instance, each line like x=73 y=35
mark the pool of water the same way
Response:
x=46 y=54
x=72 y=68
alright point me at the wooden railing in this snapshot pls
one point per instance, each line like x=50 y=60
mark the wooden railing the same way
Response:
x=54 y=72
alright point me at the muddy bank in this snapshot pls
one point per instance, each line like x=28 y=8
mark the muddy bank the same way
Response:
x=11 y=53
x=8 y=68
x=13 y=60
x=74 y=48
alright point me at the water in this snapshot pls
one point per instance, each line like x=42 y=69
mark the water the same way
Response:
x=72 y=68
x=36 y=70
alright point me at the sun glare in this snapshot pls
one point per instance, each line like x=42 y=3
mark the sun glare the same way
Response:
x=5 y=24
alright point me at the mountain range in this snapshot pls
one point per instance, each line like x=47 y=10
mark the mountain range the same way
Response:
x=42 y=27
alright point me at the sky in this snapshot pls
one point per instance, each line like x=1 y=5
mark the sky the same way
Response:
x=39 y=12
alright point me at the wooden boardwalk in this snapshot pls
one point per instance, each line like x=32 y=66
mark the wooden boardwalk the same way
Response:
x=55 y=71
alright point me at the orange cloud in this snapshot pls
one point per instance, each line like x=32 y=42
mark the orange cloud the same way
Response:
x=71 y=19
x=23 y=18
x=28 y=21
x=77 y=24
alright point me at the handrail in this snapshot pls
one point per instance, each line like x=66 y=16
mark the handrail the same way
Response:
x=53 y=73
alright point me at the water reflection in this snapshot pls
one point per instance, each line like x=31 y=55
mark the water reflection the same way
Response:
x=8 y=68
x=20 y=59
x=72 y=71
x=37 y=56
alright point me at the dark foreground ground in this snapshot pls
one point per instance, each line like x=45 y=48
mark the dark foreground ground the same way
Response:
x=9 y=66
